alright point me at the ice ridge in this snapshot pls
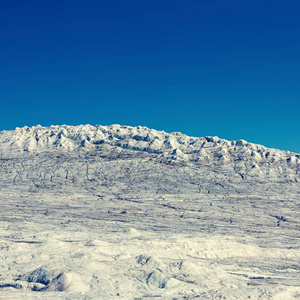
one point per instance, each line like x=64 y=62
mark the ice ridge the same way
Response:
x=173 y=146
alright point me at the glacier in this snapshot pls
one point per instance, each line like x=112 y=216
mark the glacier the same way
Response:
x=121 y=212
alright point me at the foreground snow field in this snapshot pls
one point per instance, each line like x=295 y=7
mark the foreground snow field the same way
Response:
x=119 y=212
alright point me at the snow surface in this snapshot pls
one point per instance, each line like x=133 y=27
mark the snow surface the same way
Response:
x=120 y=212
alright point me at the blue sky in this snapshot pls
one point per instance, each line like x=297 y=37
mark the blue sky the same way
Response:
x=224 y=68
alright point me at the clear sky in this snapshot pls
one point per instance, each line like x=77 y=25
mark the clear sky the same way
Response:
x=206 y=67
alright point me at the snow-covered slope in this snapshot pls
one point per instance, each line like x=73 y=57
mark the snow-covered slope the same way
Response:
x=60 y=154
